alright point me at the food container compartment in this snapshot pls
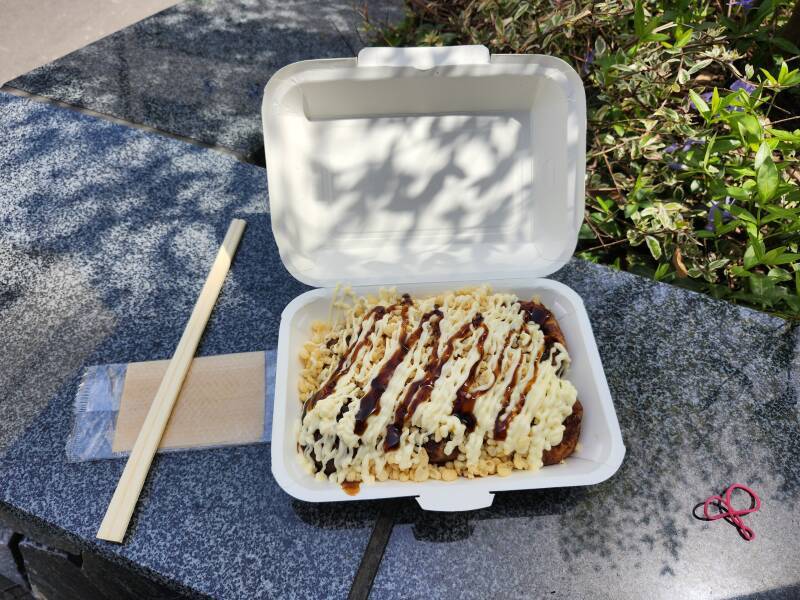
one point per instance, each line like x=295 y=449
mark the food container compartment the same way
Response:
x=428 y=169
x=598 y=456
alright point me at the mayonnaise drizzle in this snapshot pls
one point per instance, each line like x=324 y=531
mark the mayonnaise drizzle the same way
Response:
x=470 y=367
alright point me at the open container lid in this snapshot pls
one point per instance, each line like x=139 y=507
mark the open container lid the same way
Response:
x=425 y=164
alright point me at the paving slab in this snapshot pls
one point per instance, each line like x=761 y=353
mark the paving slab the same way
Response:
x=198 y=69
x=707 y=395
x=107 y=235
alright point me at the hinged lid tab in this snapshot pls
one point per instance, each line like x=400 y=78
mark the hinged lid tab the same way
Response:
x=425 y=164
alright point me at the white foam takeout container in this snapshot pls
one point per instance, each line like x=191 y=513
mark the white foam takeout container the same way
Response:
x=430 y=169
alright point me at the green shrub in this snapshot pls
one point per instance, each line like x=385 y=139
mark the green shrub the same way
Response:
x=692 y=156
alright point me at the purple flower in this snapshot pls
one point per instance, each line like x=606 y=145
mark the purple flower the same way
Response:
x=740 y=84
x=676 y=166
x=691 y=142
x=588 y=59
x=685 y=147
x=705 y=96
x=725 y=214
x=745 y=4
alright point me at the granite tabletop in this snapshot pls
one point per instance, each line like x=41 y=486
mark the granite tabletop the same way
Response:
x=103 y=227
x=198 y=69
x=107 y=236
x=707 y=395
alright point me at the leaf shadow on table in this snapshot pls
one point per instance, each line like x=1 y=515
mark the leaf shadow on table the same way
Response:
x=198 y=69
x=788 y=592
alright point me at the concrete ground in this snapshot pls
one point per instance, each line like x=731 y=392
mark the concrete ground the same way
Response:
x=12 y=591
x=36 y=32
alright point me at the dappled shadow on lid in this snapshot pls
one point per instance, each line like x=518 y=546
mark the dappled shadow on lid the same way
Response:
x=401 y=178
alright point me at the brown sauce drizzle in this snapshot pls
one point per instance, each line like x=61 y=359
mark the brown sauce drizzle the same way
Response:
x=351 y=488
x=467 y=406
x=534 y=313
x=465 y=401
x=420 y=390
x=346 y=361
x=498 y=368
x=370 y=402
x=501 y=424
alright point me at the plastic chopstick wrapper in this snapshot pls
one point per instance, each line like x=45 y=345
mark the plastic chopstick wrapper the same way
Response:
x=97 y=407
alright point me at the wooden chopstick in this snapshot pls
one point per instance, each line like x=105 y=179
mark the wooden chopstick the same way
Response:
x=123 y=502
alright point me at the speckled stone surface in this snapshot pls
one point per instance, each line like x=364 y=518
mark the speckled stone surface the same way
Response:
x=199 y=68
x=106 y=235
x=706 y=394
